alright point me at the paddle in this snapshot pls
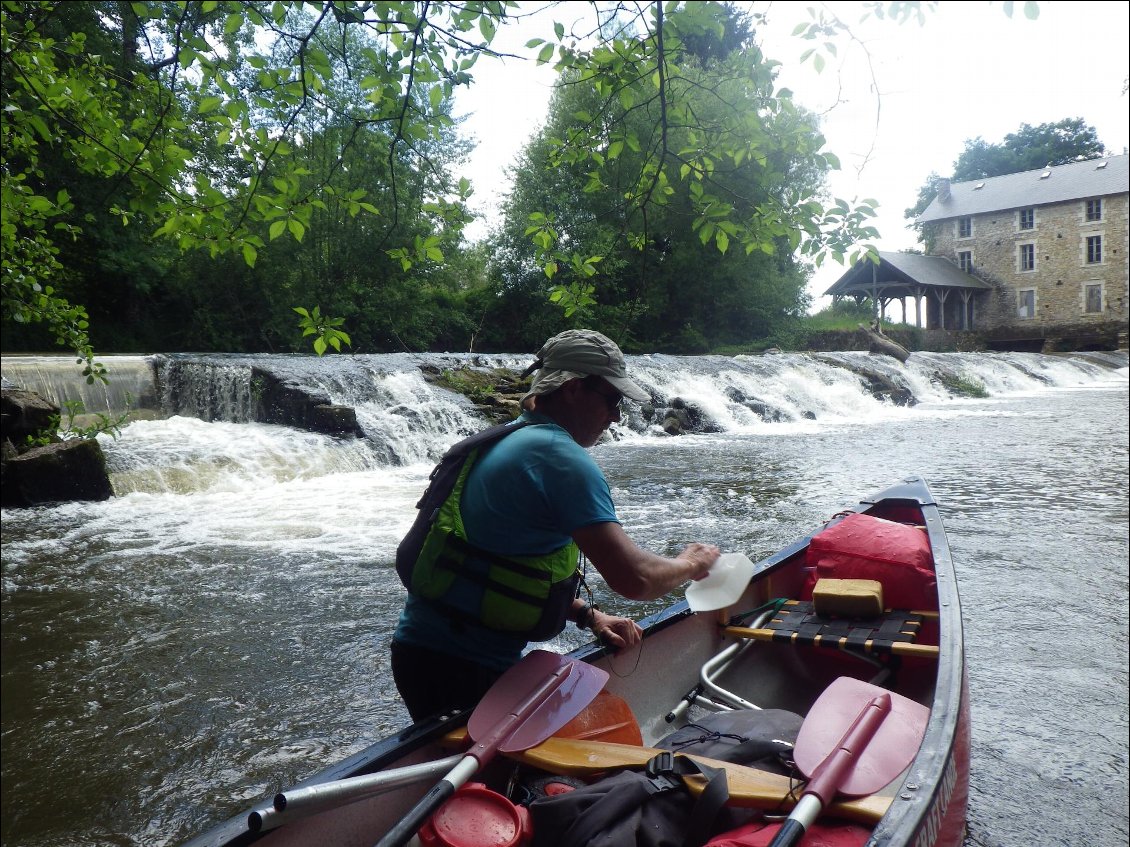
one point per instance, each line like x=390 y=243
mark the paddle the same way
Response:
x=750 y=788
x=528 y=703
x=855 y=739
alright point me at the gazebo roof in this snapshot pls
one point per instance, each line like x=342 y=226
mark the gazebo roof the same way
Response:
x=900 y=274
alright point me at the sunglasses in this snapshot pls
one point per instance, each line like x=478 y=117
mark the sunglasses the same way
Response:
x=615 y=400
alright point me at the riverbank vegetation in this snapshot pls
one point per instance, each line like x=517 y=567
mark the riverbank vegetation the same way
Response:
x=187 y=177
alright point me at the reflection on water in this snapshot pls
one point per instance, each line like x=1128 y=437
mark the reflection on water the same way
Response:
x=171 y=657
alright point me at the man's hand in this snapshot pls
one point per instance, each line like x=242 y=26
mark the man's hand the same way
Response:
x=615 y=632
x=702 y=557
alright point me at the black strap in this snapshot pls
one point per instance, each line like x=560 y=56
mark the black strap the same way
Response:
x=665 y=770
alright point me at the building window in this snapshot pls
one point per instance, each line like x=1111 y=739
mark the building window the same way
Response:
x=1094 y=209
x=1027 y=257
x=965 y=227
x=1027 y=218
x=1094 y=249
x=1026 y=304
x=1093 y=298
x=965 y=260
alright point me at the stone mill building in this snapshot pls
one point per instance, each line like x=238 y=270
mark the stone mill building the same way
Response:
x=1031 y=261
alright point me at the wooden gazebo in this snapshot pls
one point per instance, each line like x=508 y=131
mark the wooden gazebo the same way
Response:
x=949 y=293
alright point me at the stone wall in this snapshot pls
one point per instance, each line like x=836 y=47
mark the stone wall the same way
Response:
x=1061 y=273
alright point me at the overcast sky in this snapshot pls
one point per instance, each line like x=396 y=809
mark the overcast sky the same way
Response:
x=970 y=71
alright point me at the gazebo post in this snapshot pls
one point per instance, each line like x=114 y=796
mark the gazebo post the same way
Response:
x=942 y=294
x=875 y=296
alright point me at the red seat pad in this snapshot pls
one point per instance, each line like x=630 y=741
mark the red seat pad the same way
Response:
x=864 y=547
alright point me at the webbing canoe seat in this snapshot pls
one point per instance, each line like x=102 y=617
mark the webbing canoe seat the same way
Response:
x=796 y=622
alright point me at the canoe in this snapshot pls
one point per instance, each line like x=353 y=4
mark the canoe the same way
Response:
x=869 y=599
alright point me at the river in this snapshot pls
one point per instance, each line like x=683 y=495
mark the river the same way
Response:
x=218 y=629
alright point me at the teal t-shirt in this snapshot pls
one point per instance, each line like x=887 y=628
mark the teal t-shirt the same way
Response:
x=524 y=497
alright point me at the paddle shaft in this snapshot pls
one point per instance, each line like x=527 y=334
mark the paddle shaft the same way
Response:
x=826 y=780
x=483 y=750
x=312 y=799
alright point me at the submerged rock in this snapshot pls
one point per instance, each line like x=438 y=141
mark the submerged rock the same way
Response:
x=285 y=401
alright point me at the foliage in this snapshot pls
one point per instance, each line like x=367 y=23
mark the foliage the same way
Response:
x=478 y=387
x=661 y=270
x=961 y=385
x=659 y=117
x=56 y=430
x=843 y=314
x=258 y=130
x=195 y=108
x=1029 y=148
x=325 y=330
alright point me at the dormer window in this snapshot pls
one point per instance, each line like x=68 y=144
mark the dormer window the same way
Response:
x=1028 y=218
x=965 y=227
x=1094 y=210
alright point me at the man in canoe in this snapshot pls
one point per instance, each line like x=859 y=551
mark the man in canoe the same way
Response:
x=498 y=566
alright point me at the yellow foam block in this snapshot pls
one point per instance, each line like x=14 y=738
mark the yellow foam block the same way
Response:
x=848 y=598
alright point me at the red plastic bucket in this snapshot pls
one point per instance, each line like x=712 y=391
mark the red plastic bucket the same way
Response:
x=477 y=817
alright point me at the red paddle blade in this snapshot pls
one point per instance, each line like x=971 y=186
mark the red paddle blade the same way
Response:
x=579 y=687
x=891 y=748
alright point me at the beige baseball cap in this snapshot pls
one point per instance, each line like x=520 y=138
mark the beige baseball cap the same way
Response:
x=577 y=353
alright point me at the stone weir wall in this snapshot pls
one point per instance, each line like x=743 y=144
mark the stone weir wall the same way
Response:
x=51 y=455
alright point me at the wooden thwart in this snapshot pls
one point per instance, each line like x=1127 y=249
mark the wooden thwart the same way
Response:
x=749 y=787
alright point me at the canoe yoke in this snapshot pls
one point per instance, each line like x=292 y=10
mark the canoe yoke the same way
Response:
x=796 y=622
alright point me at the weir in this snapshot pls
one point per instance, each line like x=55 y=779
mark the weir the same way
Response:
x=60 y=380
x=405 y=418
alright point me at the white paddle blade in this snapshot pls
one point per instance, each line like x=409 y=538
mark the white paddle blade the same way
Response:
x=722 y=585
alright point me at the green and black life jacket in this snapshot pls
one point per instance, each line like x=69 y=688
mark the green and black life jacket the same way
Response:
x=528 y=596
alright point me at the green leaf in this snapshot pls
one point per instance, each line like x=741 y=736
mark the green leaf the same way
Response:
x=250 y=254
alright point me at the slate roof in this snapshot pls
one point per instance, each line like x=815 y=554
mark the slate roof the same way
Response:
x=1093 y=178
x=902 y=272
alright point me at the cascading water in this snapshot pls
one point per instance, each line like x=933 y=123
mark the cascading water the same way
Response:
x=207 y=440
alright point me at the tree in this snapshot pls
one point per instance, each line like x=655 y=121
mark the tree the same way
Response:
x=667 y=270
x=141 y=92
x=192 y=110
x=1027 y=149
